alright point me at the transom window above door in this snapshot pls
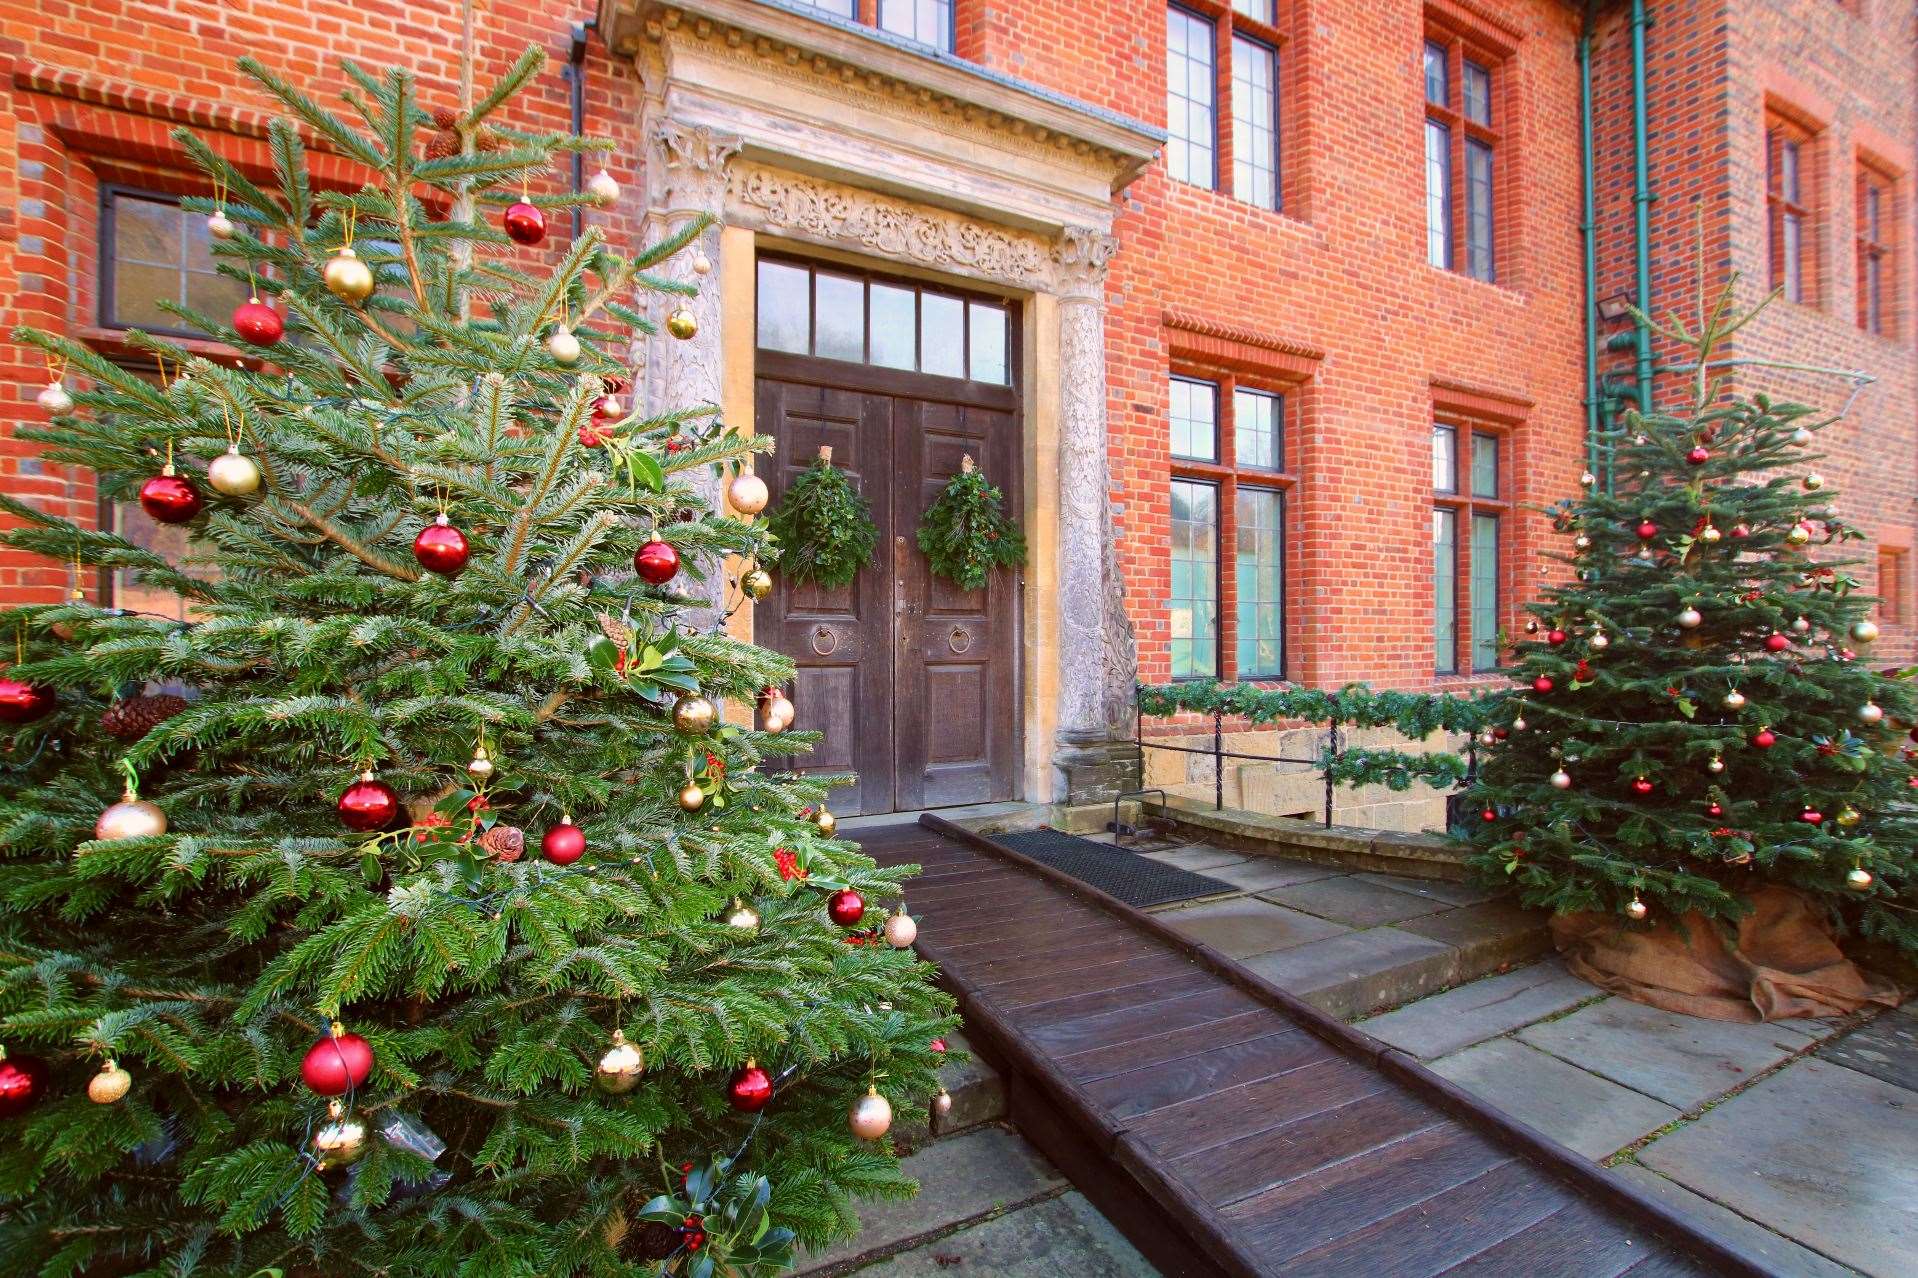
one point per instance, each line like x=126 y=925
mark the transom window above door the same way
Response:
x=921 y=21
x=816 y=310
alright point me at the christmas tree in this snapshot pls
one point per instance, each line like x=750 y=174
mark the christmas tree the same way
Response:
x=445 y=925
x=1697 y=712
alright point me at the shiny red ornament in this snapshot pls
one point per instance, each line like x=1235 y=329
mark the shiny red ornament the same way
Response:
x=1741 y=531
x=1542 y=684
x=656 y=561
x=1555 y=637
x=846 y=907
x=368 y=804
x=1811 y=816
x=1765 y=739
x=749 y=1089
x=1647 y=530
x=1776 y=643
x=1500 y=734
x=441 y=548
x=1488 y=815
x=170 y=498
x=337 y=1063
x=23 y=1084
x=258 y=323
x=1714 y=809
x=23 y=702
x=1699 y=455
x=1642 y=786
x=524 y=223
x=564 y=844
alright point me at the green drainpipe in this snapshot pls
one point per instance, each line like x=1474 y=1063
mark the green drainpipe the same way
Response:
x=1588 y=234
x=1642 y=210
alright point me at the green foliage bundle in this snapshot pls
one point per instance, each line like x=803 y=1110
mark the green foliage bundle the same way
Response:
x=965 y=533
x=208 y=959
x=1414 y=714
x=823 y=527
x=1697 y=711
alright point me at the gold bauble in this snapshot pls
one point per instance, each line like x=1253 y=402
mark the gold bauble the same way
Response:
x=348 y=278
x=1858 y=878
x=1636 y=910
x=219 y=225
x=1798 y=535
x=109 y=1085
x=1870 y=712
x=694 y=714
x=870 y=1116
x=692 y=798
x=747 y=494
x=1734 y=700
x=901 y=931
x=682 y=323
x=481 y=766
x=1710 y=533
x=563 y=346
x=619 y=1069
x=1813 y=482
x=942 y=1103
x=233 y=473
x=777 y=712
x=1864 y=631
x=743 y=916
x=341 y=1141
x=1848 y=816
x=827 y=822
x=131 y=818
x=602 y=188
x=758 y=583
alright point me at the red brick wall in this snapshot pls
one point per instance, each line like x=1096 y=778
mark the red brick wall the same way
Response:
x=90 y=92
x=1331 y=300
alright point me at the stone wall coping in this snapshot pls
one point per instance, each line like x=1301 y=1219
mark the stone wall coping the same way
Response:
x=1414 y=855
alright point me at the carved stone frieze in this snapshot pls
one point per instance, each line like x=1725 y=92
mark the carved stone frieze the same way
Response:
x=692 y=165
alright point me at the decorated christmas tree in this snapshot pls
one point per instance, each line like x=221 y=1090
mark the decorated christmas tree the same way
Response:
x=1698 y=713
x=445 y=923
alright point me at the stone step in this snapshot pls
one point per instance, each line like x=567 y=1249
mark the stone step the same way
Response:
x=978 y=1096
x=963 y=1179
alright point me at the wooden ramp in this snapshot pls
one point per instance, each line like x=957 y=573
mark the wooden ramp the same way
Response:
x=1228 y=1128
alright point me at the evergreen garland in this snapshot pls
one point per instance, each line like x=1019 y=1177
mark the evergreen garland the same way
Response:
x=823 y=526
x=965 y=534
x=1414 y=714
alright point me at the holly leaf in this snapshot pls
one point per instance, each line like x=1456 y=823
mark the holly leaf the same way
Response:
x=370 y=867
x=647 y=471
x=1687 y=707
x=602 y=654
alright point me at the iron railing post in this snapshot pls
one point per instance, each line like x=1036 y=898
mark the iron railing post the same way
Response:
x=1331 y=787
x=1218 y=760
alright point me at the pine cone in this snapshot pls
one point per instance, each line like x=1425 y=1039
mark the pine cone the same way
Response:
x=618 y=631
x=653 y=1240
x=506 y=842
x=133 y=718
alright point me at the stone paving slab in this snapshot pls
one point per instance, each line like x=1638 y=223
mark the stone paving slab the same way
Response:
x=1254 y=874
x=1681 y=1060
x=1480 y=1010
x=1785 y=1257
x=1197 y=856
x=1886 y=1048
x=1245 y=926
x=960 y=1178
x=1353 y=900
x=1820 y=1153
x=1488 y=934
x=1589 y=1114
x=1063 y=1237
x=1433 y=889
x=1359 y=972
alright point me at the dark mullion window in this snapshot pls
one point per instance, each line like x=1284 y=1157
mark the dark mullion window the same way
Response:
x=1467 y=547
x=1191 y=98
x=926 y=21
x=1785 y=197
x=1230 y=145
x=1478 y=209
x=1874 y=251
x=1460 y=145
x=154 y=251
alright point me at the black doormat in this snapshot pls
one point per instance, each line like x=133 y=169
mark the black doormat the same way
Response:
x=1138 y=881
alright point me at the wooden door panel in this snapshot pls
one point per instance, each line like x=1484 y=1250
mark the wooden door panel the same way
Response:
x=840 y=638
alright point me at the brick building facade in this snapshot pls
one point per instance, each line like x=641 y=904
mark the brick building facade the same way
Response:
x=1272 y=253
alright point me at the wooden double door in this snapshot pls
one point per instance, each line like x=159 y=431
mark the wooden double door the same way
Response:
x=913 y=682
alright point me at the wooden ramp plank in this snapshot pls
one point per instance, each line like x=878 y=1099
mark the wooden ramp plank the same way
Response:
x=1231 y=1129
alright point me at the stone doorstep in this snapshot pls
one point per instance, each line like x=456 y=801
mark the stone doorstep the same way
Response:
x=1418 y=856
x=978 y=1097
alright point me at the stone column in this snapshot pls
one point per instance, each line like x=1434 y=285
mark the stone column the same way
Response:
x=1097 y=660
x=686 y=173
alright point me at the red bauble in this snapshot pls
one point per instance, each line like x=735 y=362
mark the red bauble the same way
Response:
x=846 y=907
x=938 y=1045
x=368 y=804
x=23 y=702
x=1714 y=809
x=1811 y=816
x=337 y=1063
x=1642 y=786
x=1647 y=530
x=1765 y=739
x=1488 y=815
x=656 y=561
x=1741 y=531
x=1500 y=734
x=1699 y=455
x=564 y=844
x=170 y=498
x=1542 y=684
x=441 y=548
x=258 y=323
x=23 y=1083
x=750 y=1088
x=1555 y=637
x=1776 y=643
x=524 y=223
